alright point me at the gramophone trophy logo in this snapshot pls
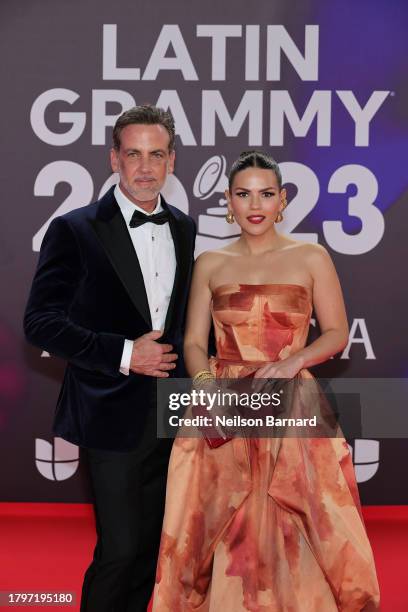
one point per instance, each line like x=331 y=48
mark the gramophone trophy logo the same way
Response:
x=213 y=231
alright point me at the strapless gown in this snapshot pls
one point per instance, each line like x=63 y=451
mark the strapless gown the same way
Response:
x=266 y=525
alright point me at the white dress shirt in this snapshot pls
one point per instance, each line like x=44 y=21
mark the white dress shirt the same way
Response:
x=155 y=251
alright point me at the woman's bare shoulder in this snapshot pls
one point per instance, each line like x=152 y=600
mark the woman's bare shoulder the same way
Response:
x=310 y=257
x=316 y=258
x=215 y=256
x=308 y=249
x=207 y=263
x=316 y=252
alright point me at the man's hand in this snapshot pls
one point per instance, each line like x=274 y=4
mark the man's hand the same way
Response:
x=151 y=358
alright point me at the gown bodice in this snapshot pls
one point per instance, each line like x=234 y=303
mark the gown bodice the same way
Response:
x=260 y=322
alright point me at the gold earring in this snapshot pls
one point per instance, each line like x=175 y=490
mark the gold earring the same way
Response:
x=279 y=216
x=229 y=217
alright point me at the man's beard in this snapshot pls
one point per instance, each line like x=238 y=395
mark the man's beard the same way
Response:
x=143 y=193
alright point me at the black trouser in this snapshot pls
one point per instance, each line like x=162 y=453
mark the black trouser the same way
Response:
x=129 y=492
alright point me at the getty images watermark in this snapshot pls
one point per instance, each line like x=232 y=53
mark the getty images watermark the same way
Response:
x=300 y=407
x=244 y=407
x=230 y=406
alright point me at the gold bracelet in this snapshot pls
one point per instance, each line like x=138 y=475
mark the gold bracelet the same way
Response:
x=202 y=375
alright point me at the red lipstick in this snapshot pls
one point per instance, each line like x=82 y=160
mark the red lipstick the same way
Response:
x=256 y=219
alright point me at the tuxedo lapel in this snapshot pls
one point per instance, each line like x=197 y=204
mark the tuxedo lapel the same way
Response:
x=110 y=228
x=181 y=247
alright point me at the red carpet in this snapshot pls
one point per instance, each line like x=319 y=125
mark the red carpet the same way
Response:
x=47 y=547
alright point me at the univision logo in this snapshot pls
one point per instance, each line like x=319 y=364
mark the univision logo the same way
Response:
x=366 y=458
x=57 y=461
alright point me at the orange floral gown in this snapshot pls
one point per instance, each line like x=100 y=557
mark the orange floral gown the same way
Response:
x=267 y=524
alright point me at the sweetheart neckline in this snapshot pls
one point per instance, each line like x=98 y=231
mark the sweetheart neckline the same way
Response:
x=305 y=289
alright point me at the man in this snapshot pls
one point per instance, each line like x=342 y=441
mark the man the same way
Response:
x=109 y=296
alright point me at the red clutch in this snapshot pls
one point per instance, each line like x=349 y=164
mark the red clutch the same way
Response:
x=216 y=442
x=210 y=433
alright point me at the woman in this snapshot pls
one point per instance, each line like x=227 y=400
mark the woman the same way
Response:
x=267 y=524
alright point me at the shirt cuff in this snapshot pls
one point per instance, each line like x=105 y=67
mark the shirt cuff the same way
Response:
x=126 y=357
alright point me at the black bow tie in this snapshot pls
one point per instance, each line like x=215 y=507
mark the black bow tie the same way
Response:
x=138 y=218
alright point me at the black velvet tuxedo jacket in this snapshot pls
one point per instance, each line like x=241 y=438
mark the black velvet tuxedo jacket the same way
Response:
x=87 y=296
